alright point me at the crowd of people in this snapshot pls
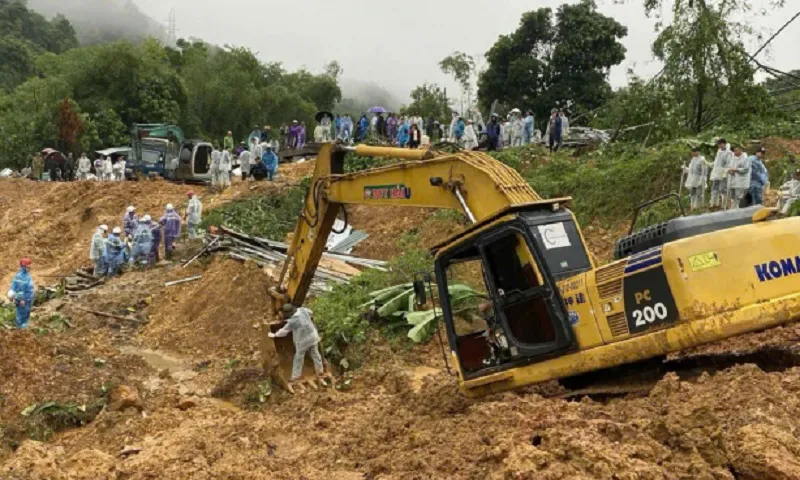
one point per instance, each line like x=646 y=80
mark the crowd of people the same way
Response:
x=138 y=241
x=737 y=179
x=412 y=131
x=63 y=168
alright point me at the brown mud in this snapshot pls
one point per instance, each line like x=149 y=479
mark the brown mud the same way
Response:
x=177 y=372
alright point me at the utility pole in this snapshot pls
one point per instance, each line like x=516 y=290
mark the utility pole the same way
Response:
x=172 y=31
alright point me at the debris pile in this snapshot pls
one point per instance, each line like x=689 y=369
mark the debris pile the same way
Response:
x=335 y=268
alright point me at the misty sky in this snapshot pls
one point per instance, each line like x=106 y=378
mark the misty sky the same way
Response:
x=399 y=44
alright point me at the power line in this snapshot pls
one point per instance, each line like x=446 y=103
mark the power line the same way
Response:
x=753 y=56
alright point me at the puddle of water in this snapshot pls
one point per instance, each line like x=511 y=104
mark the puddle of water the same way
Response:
x=418 y=374
x=158 y=360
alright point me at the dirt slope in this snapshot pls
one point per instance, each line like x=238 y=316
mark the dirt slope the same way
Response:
x=201 y=417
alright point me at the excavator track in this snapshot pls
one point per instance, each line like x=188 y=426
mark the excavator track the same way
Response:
x=639 y=378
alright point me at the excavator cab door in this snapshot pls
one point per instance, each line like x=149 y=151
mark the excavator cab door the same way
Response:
x=527 y=301
x=525 y=321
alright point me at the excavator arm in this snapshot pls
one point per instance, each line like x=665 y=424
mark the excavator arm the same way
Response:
x=471 y=182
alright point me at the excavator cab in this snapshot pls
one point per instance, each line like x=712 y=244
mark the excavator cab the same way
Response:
x=520 y=317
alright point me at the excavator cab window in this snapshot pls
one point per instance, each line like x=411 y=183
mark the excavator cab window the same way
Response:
x=518 y=316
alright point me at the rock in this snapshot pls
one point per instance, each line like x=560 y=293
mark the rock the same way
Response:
x=187 y=402
x=128 y=450
x=124 y=397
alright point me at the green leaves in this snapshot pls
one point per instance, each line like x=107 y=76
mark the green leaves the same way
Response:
x=429 y=100
x=546 y=63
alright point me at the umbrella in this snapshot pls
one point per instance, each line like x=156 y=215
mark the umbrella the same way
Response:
x=377 y=110
x=320 y=115
x=48 y=151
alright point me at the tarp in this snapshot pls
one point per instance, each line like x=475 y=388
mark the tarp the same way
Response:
x=114 y=151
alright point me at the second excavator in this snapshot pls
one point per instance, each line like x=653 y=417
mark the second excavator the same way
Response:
x=549 y=311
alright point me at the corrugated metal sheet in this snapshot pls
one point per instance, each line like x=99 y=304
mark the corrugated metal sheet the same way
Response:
x=346 y=245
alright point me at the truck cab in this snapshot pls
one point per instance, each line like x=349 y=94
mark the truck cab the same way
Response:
x=162 y=150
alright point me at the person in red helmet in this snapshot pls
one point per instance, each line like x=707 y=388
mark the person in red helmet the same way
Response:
x=194 y=215
x=22 y=292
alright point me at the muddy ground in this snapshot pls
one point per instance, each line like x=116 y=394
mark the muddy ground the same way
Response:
x=168 y=386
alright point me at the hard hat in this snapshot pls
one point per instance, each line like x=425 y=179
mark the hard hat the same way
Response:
x=190 y=193
x=131 y=209
x=25 y=262
x=104 y=227
x=288 y=309
x=147 y=218
x=516 y=110
x=116 y=230
x=170 y=207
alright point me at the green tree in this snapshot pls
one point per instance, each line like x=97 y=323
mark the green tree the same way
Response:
x=705 y=63
x=461 y=67
x=428 y=100
x=69 y=126
x=546 y=62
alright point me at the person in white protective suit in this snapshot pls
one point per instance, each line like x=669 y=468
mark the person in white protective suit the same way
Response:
x=119 y=169
x=697 y=179
x=214 y=170
x=225 y=165
x=470 y=137
x=739 y=176
x=517 y=128
x=506 y=132
x=108 y=170
x=84 y=167
x=306 y=340
x=194 y=214
x=96 y=250
x=244 y=164
x=719 y=173
x=789 y=193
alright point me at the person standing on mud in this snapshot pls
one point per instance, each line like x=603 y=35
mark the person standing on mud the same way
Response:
x=96 y=250
x=130 y=221
x=171 y=222
x=22 y=292
x=142 y=243
x=306 y=340
x=114 y=253
x=37 y=166
x=194 y=214
x=155 y=229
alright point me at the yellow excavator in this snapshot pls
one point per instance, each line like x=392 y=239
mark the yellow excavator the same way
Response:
x=550 y=312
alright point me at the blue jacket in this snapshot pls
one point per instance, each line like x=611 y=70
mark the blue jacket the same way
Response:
x=270 y=160
x=758 y=173
x=403 y=134
x=22 y=285
x=460 y=127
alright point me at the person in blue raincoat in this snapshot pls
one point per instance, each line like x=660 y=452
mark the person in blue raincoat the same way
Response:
x=142 y=243
x=155 y=230
x=493 y=132
x=364 y=124
x=114 y=253
x=403 y=133
x=171 y=222
x=22 y=292
x=759 y=177
x=270 y=162
x=459 y=130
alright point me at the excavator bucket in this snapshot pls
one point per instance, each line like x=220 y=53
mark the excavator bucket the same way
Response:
x=278 y=358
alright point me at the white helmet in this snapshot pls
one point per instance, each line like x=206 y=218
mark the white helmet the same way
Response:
x=117 y=230
x=131 y=209
x=147 y=218
x=104 y=227
x=170 y=207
